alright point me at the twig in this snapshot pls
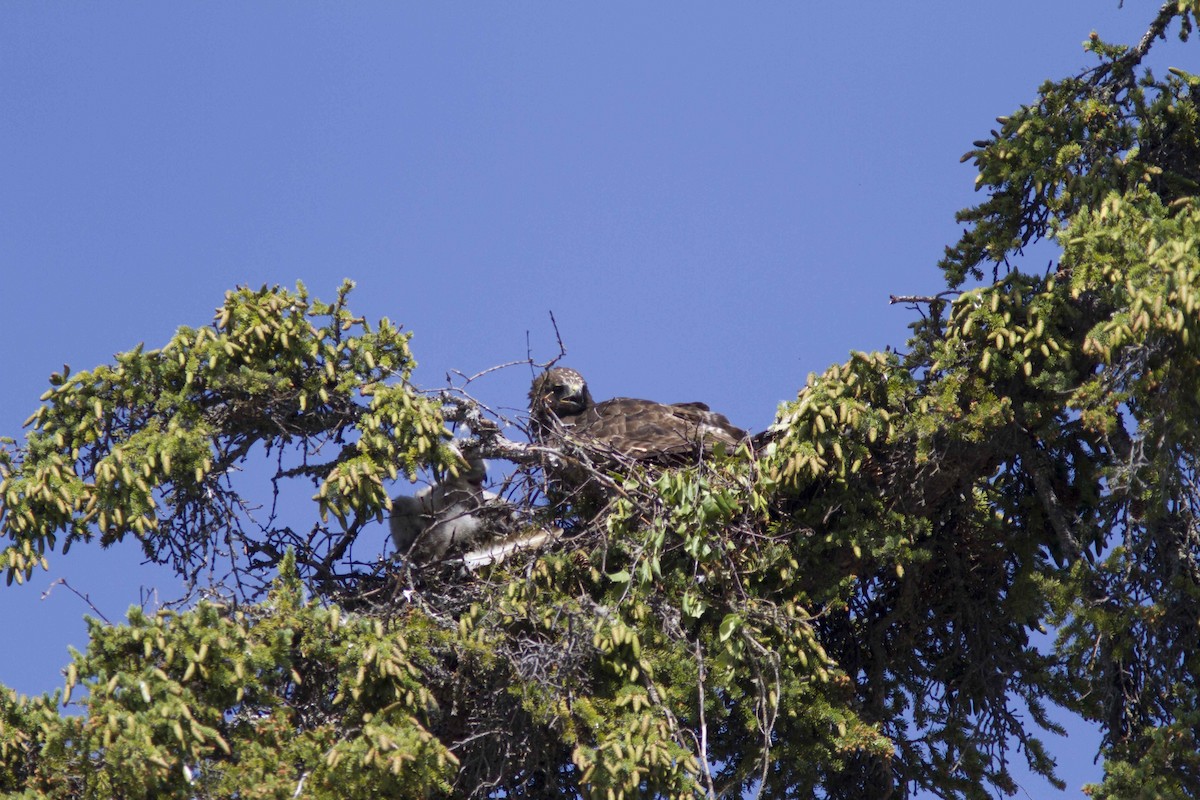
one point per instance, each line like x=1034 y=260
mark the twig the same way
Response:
x=78 y=594
x=562 y=348
x=468 y=378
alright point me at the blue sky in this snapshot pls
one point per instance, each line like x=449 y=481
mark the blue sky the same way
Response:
x=713 y=200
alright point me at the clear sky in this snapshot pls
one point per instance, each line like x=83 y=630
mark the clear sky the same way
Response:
x=713 y=199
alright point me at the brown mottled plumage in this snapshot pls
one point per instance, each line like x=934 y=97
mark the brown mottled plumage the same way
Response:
x=562 y=407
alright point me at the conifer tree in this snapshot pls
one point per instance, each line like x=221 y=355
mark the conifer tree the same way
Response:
x=885 y=593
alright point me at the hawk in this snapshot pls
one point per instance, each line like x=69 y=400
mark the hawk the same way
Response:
x=562 y=408
x=458 y=519
x=453 y=515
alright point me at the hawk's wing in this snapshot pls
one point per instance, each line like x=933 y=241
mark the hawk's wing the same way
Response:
x=645 y=430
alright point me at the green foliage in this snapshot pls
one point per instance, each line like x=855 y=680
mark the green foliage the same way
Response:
x=857 y=603
x=219 y=703
x=1110 y=129
x=149 y=446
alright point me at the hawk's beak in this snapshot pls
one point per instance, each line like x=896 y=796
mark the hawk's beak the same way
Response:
x=575 y=401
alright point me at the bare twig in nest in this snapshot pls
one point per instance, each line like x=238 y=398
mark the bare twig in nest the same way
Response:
x=562 y=348
x=467 y=379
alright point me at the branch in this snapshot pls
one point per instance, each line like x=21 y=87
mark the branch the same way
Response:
x=1053 y=507
x=916 y=298
x=495 y=553
x=1157 y=30
x=488 y=441
x=701 y=675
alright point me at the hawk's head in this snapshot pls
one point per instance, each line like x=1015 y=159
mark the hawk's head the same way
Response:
x=561 y=392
